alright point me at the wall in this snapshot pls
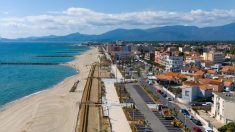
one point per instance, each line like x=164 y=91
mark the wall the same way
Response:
x=207 y=124
x=169 y=92
x=193 y=93
x=229 y=108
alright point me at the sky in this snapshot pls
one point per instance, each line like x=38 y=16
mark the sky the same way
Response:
x=24 y=18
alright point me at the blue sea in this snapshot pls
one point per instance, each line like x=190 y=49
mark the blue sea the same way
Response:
x=18 y=80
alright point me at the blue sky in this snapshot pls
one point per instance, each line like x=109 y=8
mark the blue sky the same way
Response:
x=22 y=18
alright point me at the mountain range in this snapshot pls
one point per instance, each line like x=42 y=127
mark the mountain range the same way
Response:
x=166 y=33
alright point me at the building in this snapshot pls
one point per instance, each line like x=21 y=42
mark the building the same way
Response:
x=163 y=58
x=184 y=49
x=190 y=70
x=170 y=78
x=230 y=56
x=158 y=57
x=172 y=63
x=172 y=49
x=214 y=57
x=121 y=55
x=149 y=56
x=217 y=85
x=192 y=73
x=223 y=107
x=192 y=91
x=206 y=63
x=229 y=85
x=228 y=70
x=194 y=60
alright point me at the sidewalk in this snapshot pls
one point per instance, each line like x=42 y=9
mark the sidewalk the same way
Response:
x=116 y=72
x=117 y=117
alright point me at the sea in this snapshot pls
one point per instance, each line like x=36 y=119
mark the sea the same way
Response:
x=30 y=67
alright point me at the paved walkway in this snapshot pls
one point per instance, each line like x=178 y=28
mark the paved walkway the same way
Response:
x=116 y=72
x=118 y=119
x=154 y=122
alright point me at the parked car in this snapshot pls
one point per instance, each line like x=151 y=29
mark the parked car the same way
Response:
x=190 y=117
x=161 y=106
x=159 y=91
x=197 y=122
x=185 y=112
x=197 y=129
x=196 y=104
x=208 y=129
x=150 y=82
x=164 y=95
x=207 y=104
x=169 y=99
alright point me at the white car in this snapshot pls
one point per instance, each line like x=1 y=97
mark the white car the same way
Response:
x=208 y=130
x=207 y=104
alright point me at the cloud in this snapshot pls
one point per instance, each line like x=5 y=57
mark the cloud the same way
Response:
x=88 y=21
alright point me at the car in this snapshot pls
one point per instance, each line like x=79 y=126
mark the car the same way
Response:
x=150 y=82
x=159 y=91
x=207 y=104
x=185 y=112
x=164 y=95
x=190 y=117
x=196 y=129
x=169 y=99
x=196 y=104
x=208 y=129
x=197 y=122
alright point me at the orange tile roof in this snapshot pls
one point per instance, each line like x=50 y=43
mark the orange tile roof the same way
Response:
x=211 y=71
x=171 y=76
x=193 y=57
x=228 y=69
x=228 y=83
x=206 y=61
x=191 y=68
x=205 y=87
x=164 y=77
x=190 y=83
x=210 y=81
x=199 y=73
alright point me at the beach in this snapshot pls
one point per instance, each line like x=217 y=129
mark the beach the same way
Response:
x=52 y=110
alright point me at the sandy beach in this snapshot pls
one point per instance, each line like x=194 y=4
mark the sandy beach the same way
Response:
x=52 y=110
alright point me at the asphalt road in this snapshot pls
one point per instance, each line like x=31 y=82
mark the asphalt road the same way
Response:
x=153 y=121
x=172 y=106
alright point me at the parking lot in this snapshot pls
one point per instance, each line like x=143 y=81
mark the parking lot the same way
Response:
x=167 y=123
x=140 y=98
x=183 y=118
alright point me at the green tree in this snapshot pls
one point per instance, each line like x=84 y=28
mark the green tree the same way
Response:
x=181 y=54
x=230 y=127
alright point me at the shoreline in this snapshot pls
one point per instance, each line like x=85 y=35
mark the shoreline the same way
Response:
x=51 y=87
x=5 y=106
x=54 y=109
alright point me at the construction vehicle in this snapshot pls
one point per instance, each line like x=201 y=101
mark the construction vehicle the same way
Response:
x=167 y=114
x=177 y=123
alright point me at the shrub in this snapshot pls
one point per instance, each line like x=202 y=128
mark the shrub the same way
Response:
x=230 y=127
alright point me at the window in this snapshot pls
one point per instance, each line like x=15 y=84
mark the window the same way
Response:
x=186 y=93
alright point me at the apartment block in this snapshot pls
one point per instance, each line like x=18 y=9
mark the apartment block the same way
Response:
x=223 y=107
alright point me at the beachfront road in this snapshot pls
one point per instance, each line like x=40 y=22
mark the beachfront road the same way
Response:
x=153 y=121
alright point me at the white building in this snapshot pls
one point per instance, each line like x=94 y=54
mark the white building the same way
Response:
x=223 y=107
x=193 y=60
x=173 y=63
